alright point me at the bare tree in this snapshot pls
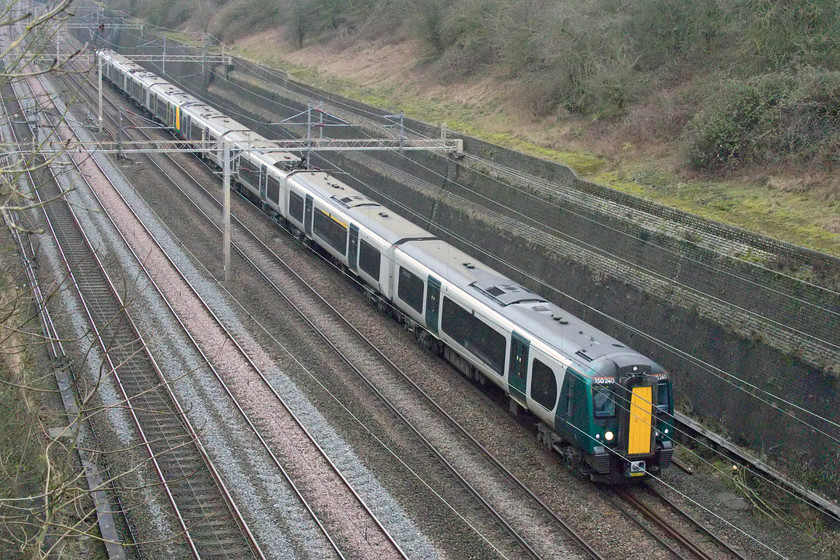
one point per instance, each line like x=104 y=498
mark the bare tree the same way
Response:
x=30 y=37
x=47 y=498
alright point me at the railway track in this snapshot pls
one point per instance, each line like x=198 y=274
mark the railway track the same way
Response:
x=636 y=502
x=264 y=254
x=797 y=330
x=679 y=532
x=319 y=461
x=199 y=501
x=111 y=513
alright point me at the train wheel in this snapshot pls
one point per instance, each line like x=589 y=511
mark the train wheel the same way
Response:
x=424 y=338
x=571 y=457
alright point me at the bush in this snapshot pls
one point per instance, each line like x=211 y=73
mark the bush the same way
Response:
x=723 y=135
x=427 y=19
x=786 y=33
x=243 y=17
x=667 y=31
x=584 y=72
x=772 y=118
x=166 y=13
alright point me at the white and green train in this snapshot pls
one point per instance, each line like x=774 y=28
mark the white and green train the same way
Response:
x=604 y=407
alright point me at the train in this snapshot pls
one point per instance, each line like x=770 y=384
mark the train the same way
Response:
x=605 y=408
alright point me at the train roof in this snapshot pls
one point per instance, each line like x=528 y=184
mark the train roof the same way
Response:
x=368 y=213
x=130 y=67
x=116 y=58
x=173 y=93
x=594 y=352
x=269 y=153
x=266 y=152
x=222 y=124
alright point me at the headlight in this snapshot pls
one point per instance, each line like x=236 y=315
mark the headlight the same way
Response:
x=609 y=436
x=666 y=430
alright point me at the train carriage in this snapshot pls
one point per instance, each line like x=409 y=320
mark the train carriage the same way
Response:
x=610 y=402
x=262 y=171
x=604 y=407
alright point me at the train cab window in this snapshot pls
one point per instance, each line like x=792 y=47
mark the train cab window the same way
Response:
x=603 y=401
x=410 y=289
x=369 y=259
x=543 y=385
x=330 y=230
x=663 y=396
x=473 y=334
x=296 y=206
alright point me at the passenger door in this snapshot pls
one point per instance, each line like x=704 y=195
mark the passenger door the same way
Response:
x=263 y=182
x=307 y=215
x=573 y=407
x=353 y=249
x=518 y=370
x=432 y=304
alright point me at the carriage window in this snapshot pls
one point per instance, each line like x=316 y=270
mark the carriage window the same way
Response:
x=249 y=173
x=369 y=259
x=195 y=132
x=274 y=190
x=330 y=230
x=474 y=334
x=410 y=290
x=603 y=400
x=296 y=206
x=543 y=385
